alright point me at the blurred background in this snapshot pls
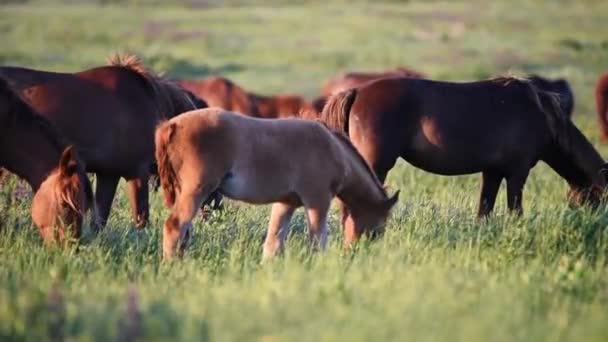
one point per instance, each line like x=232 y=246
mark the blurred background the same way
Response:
x=294 y=46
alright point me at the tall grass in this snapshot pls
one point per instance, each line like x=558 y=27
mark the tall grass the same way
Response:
x=437 y=274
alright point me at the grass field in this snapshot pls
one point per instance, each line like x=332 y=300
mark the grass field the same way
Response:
x=438 y=274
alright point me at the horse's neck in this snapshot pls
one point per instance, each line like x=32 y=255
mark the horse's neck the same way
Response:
x=30 y=158
x=359 y=189
x=579 y=164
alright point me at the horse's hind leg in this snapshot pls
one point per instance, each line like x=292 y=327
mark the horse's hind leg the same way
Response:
x=489 y=188
x=515 y=186
x=104 y=195
x=278 y=229
x=177 y=227
x=138 y=197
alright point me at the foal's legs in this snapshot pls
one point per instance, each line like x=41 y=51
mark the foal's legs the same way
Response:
x=177 y=227
x=278 y=229
x=317 y=223
x=515 y=185
x=489 y=188
x=104 y=195
x=138 y=197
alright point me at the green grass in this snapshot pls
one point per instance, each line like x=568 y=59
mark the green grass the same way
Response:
x=438 y=274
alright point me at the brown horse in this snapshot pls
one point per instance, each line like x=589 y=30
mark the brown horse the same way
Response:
x=601 y=101
x=559 y=86
x=288 y=162
x=500 y=127
x=32 y=149
x=280 y=106
x=109 y=113
x=221 y=92
x=350 y=80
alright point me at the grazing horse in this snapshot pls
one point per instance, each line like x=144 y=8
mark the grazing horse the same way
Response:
x=221 y=92
x=287 y=162
x=109 y=113
x=500 y=127
x=601 y=101
x=32 y=149
x=559 y=86
x=280 y=106
x=350 y=80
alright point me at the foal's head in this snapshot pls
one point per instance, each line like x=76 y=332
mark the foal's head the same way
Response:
x=369 y=220
x=59 y=205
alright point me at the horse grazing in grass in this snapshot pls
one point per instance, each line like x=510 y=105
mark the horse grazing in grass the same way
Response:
x=221 y=92
x=500 y=127
x=109 y=113
x=355 y=79
x=559 y=86
x=601 y=101
x=280 y=106
x=287 y=162
x=32 y=149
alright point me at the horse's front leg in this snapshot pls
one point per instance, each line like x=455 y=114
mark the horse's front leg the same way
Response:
x=317 y=224
x=138 y=198
x=515 y=186
x=278 y=229
x=489 y=188
x=104 y=195
x=176 y=230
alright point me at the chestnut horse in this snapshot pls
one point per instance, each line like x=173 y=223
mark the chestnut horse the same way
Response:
x=280 y=106
x=221 y=92
x=262 y=161
x=109 y=113
x=559 y=86
x=601 y=101
x=32 y=149
x=500 y=127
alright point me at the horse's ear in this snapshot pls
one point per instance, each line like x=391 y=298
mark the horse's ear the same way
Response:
x=390 y=202
x=68 y=164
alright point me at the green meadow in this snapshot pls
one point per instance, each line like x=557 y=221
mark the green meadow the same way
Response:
x=438 y=274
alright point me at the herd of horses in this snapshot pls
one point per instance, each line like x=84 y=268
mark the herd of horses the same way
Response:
x=209 y=138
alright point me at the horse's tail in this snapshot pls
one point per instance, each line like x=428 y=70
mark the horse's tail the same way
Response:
x=166 y=172
x=601 y=101
x=550 y=105
x=336 y=111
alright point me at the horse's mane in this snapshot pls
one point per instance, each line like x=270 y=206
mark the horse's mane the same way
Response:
x=548 y=103
x=346 y=142
x=21 y=111
x=171 y=98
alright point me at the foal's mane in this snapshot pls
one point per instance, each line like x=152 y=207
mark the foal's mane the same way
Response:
x=168 y=94
x=548 y=103
x=21 y=111
x=346 y=142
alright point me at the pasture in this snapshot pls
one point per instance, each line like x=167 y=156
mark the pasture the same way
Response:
x=437 y=274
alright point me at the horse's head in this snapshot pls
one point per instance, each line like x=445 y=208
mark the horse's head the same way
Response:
x=369 y=221
x=59 y=205
x=591 y=195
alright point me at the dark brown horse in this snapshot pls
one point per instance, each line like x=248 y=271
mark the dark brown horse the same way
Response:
x=221 y=92
x=110 y=113
x=601 y=101
x=280 y=106
x=559 y=86
x=500 y=127
x=356 y=79
x=32 y=149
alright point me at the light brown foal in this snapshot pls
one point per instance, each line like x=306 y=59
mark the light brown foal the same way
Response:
x=287 y=162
